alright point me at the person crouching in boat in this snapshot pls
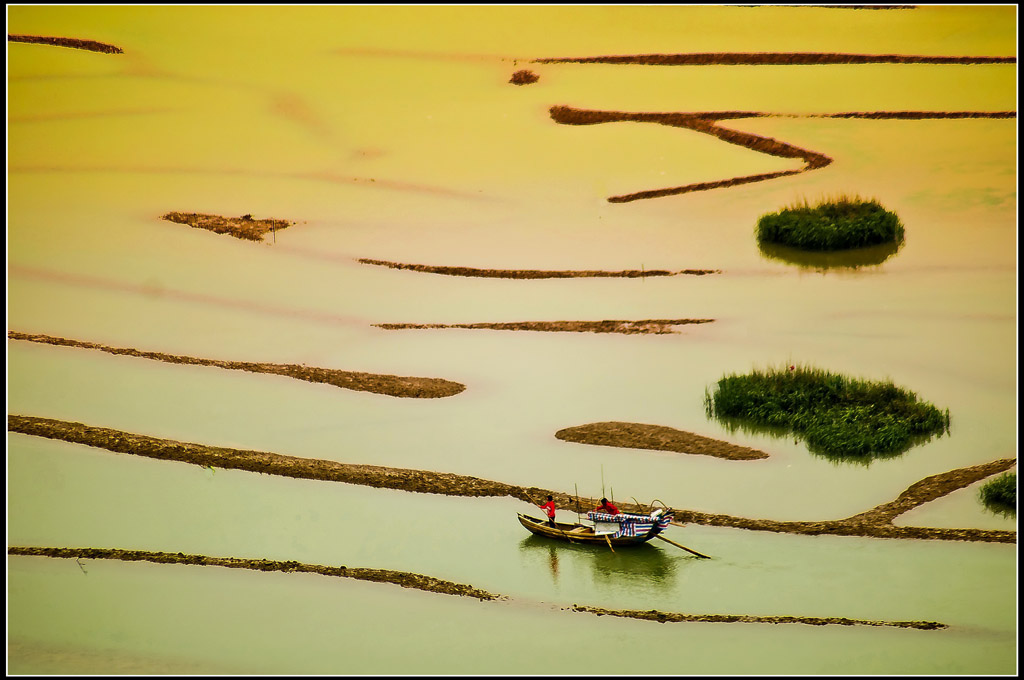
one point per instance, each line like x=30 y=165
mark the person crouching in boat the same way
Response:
x=607 y=506
x=550 y=507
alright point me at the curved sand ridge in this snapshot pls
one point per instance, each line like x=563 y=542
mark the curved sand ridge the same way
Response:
x=642 y=326
x=536 y=273
x=426 y=583
x=76 y=43
x=876 y=523
x=707 y=123
x=391 y=385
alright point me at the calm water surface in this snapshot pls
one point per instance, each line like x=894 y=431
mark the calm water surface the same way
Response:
x=383 y=140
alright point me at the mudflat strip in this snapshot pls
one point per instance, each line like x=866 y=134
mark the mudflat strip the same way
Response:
x=875 y=523
x=537 y=273
x=390 y=385
x=420 y=481
x=667 y=617
x=426 y=583
x=402 y=578
x=76 y=43
x=772 y=59
x=707 y=123
x=655 y=437
x=645 y=326
x=244 y=227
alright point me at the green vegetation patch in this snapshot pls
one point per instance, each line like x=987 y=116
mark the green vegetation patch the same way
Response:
x=835 y=224
x=1000 y=494
x=838 y=417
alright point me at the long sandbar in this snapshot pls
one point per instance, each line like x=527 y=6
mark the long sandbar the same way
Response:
x=875 y=523
x=625 y=327
x=76 y=43
x=537 y=273
x=390 y=385
x=774 y=59
x=431 y=584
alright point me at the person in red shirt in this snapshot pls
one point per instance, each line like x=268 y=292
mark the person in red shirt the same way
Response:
x=550 y=507
x=606 y=506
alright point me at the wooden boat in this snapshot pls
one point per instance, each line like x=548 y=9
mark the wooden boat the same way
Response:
x=621 y=529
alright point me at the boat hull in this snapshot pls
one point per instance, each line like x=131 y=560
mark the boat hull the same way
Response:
x=579 y=533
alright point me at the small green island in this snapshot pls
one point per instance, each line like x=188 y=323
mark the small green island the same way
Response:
x=838 y=417
x=1000 y=494
x=836 y=224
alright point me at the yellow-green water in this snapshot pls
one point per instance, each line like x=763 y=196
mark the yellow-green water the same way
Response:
x=392 y=133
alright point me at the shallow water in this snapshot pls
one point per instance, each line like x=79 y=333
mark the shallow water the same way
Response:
x=152 y=505
x=382 y=140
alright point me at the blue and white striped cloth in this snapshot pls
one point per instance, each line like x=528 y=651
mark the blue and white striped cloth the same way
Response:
x=631 y=525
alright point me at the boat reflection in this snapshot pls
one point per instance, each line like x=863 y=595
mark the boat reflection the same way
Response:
x=823 y=261
x=639 y=566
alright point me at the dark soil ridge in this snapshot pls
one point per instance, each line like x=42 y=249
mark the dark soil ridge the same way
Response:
x=90 y=45
x=667 y=617
x=421 y=582
x=707 y=123
x=536 y=273
x=866 y=524
x=401 y=578
x=913 y=115
x=704 y=123
x=419 y=481
x=390 y=385
x=244 y=227
x=657 y=438
x=644 y=326
x=772 y=59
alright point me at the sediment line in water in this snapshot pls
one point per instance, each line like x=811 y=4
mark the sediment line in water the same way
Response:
x=772 y=59
x=707 y=123
x=90 y=45
x=423 y=481
x=426 y=583
x=657 y=438
x=645 y=326
x=390 y=385
x=536 y=273
x=401 y=578
x=932 y=488
x=670 y=617
x=244 y=227
x=913 y=115
x=420 y=481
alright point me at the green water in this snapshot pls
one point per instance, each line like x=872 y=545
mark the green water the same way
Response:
x=172 y=614
x=392 y=133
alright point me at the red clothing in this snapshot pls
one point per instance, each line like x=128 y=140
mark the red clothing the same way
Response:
x=608 y=507
x=550 y=507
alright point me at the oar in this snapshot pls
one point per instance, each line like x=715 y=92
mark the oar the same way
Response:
x=609 y=542
x=683 y=547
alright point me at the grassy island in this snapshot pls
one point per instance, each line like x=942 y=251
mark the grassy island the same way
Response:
x=842 y=223
x=838 y=417
x=1000 y=494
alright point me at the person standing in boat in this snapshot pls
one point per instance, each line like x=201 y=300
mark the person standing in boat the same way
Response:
x=607 y=506
x=550 y=507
